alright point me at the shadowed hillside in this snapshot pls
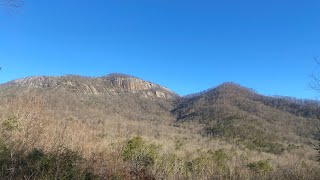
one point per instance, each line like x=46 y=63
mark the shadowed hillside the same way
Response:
x=259 y=122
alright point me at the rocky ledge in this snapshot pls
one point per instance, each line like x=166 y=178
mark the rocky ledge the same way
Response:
x=113 y=83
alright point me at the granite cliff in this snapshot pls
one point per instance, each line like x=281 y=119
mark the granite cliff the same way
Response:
x=110 y=84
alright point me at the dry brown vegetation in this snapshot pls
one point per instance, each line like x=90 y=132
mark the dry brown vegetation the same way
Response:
x=219 y=134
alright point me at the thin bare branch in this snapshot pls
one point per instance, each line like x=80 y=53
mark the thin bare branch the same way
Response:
x=317 y=59
x=11 y=3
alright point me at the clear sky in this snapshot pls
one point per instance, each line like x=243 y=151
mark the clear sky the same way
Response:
x=185 y=45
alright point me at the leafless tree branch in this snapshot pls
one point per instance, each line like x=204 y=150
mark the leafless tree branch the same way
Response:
x=11 y=3
x=315 y=85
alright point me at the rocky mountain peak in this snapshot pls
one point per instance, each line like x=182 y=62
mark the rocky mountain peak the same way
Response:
x=113 y=83
x=134 y=84
x=130 y=83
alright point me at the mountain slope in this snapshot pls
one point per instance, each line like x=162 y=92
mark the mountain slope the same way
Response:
x=228 y=110
x=229 y=131
x=239 y=113
x=115 y=96
x=110 y=84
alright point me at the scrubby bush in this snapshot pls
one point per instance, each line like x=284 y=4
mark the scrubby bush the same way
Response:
x=292 y=147
x=262 y=166
x=265 y=145
x=10 y=124
x=140 y=155
x=40 y=165
x=179 y=144
x=209 y=163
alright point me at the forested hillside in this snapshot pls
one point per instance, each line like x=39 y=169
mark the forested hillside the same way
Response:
x=122 y=127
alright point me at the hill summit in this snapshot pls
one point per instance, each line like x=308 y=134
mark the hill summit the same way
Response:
x=114 y=83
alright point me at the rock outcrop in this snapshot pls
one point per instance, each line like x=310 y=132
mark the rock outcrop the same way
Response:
x=132 y=84
x=135 y=85
x=113 y=83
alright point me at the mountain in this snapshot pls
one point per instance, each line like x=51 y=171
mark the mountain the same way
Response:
x=122 y=127
x=110 y=84
x=239 y=113
x=244 y=99
x=228 y=110
x=112 y=96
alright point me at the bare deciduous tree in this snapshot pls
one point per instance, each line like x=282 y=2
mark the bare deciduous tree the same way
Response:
x=315 y=85
x=11 y=3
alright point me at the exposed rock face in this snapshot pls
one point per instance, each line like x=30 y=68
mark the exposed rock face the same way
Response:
x=160 y=94
x=136 y=85
x=132 y=84
x=36 y=82
x=113 y=83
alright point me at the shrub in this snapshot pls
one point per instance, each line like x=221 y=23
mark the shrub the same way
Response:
x=140 y=155
x=261 y=166
x=292 y=147
x=67 y=164
x=265 y=145
x=4 y=155
x=39 y=165
x=179 y=144
x=11 y=123
x=211 y=162
x=219 y=157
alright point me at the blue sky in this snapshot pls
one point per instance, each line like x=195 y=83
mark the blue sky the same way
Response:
x=185 y=45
